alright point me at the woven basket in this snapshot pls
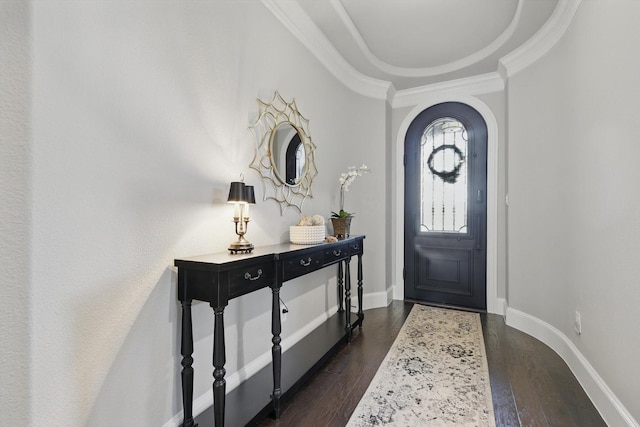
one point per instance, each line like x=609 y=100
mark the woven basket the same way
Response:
x=307 y=234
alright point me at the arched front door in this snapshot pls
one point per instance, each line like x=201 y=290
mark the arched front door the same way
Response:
x=445 y=245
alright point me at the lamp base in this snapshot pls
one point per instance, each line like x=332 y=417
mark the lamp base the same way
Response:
x=241 y=247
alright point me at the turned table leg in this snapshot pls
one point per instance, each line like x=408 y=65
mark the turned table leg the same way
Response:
x=276 y=350
x=360 y=291
x=340 y=288
x=347 y=298
x=186 y=349
x=219 y=359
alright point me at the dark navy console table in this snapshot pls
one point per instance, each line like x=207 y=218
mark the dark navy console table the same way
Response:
x=218 y=278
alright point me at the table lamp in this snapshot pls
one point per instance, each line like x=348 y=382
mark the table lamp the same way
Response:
x=241 y=196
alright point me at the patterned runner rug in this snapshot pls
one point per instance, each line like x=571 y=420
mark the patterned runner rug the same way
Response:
x=435 y=374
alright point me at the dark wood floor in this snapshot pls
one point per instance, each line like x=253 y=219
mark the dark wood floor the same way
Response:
x=531 y=384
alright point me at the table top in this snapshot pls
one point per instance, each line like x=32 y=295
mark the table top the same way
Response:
x=262 y=251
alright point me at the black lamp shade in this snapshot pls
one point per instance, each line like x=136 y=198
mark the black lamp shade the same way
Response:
x=249 y=194
x=237 y=192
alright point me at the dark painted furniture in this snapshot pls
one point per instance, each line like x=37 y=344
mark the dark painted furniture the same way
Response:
x=218 y=278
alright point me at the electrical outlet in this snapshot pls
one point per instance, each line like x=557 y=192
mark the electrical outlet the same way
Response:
x=577 y=323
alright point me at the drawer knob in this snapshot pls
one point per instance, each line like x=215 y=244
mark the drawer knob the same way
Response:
x=337 y=252
x=355 y=246
x=306 y=263
x=249 y=277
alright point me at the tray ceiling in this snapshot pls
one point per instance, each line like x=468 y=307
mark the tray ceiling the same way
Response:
x=412 y=43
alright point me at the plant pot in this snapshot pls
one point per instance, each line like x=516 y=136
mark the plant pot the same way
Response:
x=341 y=227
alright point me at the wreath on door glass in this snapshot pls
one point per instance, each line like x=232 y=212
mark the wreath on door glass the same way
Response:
x=450 y=176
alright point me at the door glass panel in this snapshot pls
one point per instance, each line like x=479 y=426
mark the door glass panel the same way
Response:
x=443 y=177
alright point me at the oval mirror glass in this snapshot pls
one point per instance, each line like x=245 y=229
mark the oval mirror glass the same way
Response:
x=287 y=154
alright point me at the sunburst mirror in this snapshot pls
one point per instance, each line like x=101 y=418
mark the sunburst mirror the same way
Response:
x=284 y=153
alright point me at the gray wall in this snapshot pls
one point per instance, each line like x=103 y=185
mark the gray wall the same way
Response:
x=139 y=122
x=15 y=308
x=574 y=215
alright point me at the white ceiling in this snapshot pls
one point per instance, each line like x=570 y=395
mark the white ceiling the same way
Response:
x=413 y=43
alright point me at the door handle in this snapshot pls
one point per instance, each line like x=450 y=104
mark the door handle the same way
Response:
x=248 y=276
x=306 y=263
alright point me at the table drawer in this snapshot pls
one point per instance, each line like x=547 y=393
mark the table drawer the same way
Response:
x=336 y=253
x=356 y=247
x=250 y=278
x=300 y=265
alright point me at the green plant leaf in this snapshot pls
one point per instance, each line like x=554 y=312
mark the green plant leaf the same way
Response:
x=342 y=214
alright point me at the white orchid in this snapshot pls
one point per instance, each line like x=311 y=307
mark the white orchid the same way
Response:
x=346 y=179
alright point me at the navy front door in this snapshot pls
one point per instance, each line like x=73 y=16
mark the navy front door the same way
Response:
x=445 y=207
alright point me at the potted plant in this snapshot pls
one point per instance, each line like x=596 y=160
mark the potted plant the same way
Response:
x=341 y=220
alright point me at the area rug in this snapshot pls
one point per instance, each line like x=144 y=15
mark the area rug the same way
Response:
x=435 y=374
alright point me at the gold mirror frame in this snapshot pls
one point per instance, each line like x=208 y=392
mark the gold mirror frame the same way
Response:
x=271 y=115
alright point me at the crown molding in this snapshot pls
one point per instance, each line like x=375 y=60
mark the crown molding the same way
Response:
x=295 y=19
x=470 y=86
x=466 y=61
x=534 y=48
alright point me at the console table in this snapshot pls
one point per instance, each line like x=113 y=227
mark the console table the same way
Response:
x=218 y=278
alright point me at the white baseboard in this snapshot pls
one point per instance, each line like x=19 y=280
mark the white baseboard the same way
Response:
x=373 y=299
x=611 y=409
x=377 y=299
x=502 y=306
